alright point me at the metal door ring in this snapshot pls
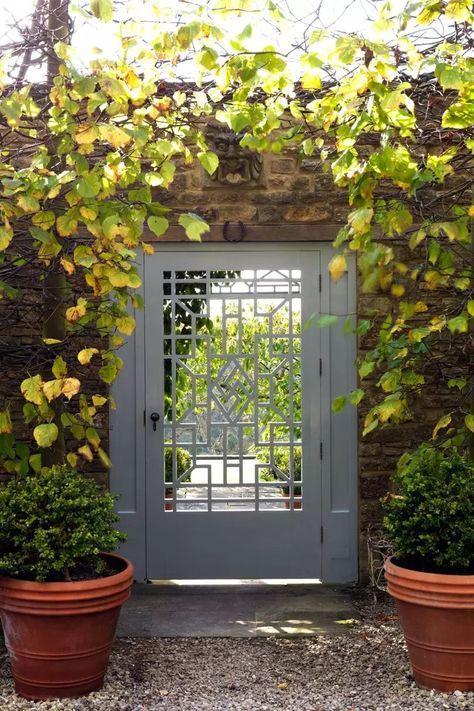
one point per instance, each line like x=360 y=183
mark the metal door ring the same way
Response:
x=236 y=238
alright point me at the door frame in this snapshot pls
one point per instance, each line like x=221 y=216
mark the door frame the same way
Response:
x=339 y=500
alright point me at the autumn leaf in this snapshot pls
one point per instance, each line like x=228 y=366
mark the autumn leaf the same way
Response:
x=86 y=452
x=6 y=426
x=442 y=423
x=93 y=438
x=52 y=389
x=67 y=265
x=114 y=135
x=70 y=387
x=84 y=357
x=469 y=422
x=98 y=400
x=46 y=435
x=337 y=267
x=32 y=389
x=86 y=133
x=6 y=235
x=74 y=313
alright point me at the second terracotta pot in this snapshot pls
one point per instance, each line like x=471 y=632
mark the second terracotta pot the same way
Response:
x=437 y=617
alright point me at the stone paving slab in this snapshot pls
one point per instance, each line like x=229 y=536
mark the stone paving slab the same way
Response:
x=237 y=611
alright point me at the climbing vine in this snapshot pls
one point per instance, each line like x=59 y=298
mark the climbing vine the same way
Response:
x=88 y=154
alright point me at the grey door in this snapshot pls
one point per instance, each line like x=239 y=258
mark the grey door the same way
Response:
x=233 y=466
x=226 y=455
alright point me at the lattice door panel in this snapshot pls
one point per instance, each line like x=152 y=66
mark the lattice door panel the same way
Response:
x=233 y=474
x=232 y=390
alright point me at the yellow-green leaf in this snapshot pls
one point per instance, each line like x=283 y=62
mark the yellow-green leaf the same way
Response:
x=356 y=396
x=459 y=10
x=84 y=357
x=337 y=267
x=72 y=459
x=88 y=213
x=158 y=225
x=66 y=224
x=209 y=161
x=93 y=438
x=70 y=387
x=31 y=389
x=339 y=403
x=102 y=9
x=44 y=219
x=46 y=435
x=35 y=462
x=6 y=235
x=469 y=420
x=52 y=389
x=98 y=400
x=86 y=452
x=86 y=133
x=442 y=423
x=194 y=226
x=6 y=426
x=360 y=219
x=125 y=324
x=59 y=368
x=104 y=458
x=28 y=203
x=114 y=135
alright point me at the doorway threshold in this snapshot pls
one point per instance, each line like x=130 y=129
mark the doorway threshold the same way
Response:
x=224 y=582
x=247 y=608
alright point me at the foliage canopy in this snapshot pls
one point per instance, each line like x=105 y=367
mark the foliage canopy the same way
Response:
x=87 y=155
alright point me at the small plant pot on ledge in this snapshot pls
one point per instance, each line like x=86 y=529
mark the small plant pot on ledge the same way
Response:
x=297 y=505
x=437 y=617
x=59 y=634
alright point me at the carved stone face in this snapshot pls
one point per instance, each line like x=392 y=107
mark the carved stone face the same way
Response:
x=236 y=163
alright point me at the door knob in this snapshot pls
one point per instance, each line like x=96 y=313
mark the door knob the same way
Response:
x=154 y=417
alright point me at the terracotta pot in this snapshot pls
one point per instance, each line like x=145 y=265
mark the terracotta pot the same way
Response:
x=168 y=495
x=59 y=635
x=437 y=617
x=296 y=504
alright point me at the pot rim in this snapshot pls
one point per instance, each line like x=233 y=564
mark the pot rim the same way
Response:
x=418 y=575
x=79 y=585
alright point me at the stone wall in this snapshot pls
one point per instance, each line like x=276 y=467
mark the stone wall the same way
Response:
x=279 y=190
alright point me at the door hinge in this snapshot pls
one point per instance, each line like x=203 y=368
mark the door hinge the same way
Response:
x=320 y=282
x=322 y=534
x=144 y=418
x=320 y=366
x=320 y=450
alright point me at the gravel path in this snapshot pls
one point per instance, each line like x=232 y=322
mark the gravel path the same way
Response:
x=363 y=670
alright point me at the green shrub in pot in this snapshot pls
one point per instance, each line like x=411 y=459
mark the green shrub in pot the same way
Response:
x=430 y=518
x=281 y=459
x=52 y=522
x=61 y=589
x=183 y=464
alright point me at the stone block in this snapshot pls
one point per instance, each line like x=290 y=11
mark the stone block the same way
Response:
x=243 y=212
x=270 y=213
x=374 y=486
x=307 y=213
x=283 y=165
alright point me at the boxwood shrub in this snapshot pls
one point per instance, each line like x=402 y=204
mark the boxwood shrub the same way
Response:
x=430 y=517
x=52 y=522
